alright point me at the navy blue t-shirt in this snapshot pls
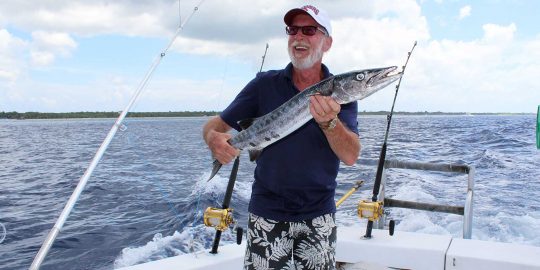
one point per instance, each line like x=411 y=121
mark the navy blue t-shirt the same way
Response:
x=295 y=177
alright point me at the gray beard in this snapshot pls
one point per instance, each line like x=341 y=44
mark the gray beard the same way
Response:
x=308 y=62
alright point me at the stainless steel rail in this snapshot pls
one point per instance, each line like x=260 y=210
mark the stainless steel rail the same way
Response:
x=466 y=210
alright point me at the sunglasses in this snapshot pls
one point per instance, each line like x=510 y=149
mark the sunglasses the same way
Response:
x=308 y=30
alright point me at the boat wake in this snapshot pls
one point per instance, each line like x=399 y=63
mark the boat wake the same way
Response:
x=194 y=237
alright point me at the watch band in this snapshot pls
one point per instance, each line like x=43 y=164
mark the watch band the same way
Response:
x=329 y=125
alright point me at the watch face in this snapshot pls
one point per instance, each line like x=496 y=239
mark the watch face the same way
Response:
x=332 y=123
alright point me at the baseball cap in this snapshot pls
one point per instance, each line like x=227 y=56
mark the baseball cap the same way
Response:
x=319 y=15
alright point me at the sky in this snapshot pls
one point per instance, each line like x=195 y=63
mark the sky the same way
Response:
x=83 y=55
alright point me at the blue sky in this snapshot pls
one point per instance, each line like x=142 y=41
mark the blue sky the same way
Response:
x=59 y=56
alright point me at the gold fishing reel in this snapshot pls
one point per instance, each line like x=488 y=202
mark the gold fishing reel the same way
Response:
x=370 y=210
x=218 y=218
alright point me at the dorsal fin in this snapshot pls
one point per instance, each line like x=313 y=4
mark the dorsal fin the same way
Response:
x=254 y=154
x=244 y=124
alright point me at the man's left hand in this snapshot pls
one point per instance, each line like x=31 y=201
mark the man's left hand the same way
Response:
x=323 y=108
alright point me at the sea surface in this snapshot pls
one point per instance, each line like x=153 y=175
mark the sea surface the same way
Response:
x=146 y=197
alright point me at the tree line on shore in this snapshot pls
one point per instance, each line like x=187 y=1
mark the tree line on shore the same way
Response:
x=40 y=115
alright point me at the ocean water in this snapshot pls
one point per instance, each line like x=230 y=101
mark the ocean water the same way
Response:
x=145 y=199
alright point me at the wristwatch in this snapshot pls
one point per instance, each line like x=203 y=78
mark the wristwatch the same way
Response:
x=329 y=125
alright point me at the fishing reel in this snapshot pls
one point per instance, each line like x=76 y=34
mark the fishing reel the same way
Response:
x=221 y=219
x=373 y=211
x=370 y=210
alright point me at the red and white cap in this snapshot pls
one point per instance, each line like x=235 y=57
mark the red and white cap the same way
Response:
x=319 y=15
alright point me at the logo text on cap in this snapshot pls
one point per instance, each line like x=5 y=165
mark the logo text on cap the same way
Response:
x=314 y=9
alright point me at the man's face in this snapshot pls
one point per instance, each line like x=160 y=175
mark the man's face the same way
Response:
x=306 y=51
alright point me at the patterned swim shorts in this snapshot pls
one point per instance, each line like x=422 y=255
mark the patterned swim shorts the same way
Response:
x=303 y=245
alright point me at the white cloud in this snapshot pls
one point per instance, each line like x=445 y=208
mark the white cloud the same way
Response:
x=84 y=18
x=494 y=72
x=465 y=12
x=61 y=42
x=42 y=58
x=499 y=34
x=46 y=46
x=481 y=75
x=11 y=53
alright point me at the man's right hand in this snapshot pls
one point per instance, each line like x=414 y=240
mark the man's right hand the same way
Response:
x=221 y=149
x=216 y=136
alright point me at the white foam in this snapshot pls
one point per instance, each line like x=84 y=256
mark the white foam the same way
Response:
x=217 y=186
x=191 y=239
x=153 y=249
x=504 y=227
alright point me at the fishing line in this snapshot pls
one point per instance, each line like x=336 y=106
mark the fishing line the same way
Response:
x=133 y=141
x=146 y=163
x=158 y=184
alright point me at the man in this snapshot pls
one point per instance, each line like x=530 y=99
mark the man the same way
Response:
x=292 y=222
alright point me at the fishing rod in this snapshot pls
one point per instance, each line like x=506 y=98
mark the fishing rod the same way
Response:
x=382 y=156
x=53 y=233
x=263 y=57
x=221 y=218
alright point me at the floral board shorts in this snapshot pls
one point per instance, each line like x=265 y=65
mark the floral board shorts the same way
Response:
x=302 y=245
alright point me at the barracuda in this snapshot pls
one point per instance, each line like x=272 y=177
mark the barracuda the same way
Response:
x=260 y=132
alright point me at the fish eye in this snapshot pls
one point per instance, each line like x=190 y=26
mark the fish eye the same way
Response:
x=360 y=76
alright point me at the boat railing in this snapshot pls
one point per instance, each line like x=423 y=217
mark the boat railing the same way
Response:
x=465 y=210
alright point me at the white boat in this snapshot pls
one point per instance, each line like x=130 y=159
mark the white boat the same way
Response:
x=402 y=250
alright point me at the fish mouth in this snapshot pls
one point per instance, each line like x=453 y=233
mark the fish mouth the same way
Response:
x=384 y=76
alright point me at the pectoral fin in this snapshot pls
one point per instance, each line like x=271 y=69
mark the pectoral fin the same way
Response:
x=244 y=124
x=215 y=169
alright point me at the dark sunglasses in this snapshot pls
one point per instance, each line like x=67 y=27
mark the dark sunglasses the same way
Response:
x=308 y=30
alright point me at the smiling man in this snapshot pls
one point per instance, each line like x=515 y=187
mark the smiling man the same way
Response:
x=292 y=209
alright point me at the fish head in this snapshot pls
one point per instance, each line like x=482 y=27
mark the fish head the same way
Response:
x=357 y=85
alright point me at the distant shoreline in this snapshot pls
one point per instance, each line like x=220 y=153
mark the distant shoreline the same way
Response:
x=67 y=115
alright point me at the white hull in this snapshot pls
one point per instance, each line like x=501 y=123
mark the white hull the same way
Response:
x=404 y=250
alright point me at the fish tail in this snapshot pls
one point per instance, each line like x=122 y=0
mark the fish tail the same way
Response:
x=215 y=169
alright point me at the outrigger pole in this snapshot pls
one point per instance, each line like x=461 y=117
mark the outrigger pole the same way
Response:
x=263 y=57
x=382 y=156
x=53 y=233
